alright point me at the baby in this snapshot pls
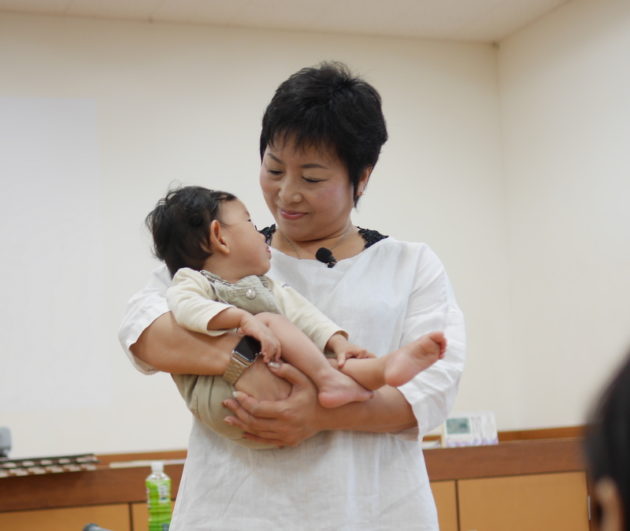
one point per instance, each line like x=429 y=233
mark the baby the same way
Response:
x=218 y=260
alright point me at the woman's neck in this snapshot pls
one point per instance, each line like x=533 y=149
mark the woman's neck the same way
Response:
x=344 y=243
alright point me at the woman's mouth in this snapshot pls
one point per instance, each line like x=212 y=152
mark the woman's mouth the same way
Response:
x=291 y=215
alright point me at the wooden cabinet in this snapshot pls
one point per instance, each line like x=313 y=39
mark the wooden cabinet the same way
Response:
x=445 y=495
x=71 y=518
x=555 y=502
x=139 y=517
x=530 y=485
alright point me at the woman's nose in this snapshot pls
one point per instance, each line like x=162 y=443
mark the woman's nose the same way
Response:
x=289 y=192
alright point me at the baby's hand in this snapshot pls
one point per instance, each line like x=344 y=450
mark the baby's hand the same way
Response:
x=270 y=346
x=344 y=350
x=351 y=351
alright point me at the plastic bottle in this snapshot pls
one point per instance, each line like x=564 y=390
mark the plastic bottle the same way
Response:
x=158 y=498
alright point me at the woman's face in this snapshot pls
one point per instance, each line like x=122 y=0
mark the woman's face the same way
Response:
x=307 y=190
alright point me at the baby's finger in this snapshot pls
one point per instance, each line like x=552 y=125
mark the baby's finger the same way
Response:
x=273 y=349
x=341 y=359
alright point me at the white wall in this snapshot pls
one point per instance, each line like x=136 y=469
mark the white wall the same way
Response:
x=149 y=104
x=511 y=163
x=564 y=85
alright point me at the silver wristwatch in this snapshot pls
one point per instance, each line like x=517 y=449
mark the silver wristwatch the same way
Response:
x=243 y=355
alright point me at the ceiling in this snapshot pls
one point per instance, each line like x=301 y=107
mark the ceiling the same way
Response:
x=464 y=20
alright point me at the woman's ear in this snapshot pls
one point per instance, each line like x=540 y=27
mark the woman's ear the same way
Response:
x=608 y=497
x=218 y=243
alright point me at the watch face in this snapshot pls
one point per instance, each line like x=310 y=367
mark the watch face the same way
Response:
x=249 y=348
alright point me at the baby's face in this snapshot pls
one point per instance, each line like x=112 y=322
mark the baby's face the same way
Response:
x=248 y=249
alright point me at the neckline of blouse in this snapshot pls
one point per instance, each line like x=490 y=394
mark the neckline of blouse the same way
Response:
x=312 y=261
x=370 y=237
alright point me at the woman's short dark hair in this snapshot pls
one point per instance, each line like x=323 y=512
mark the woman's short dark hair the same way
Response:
x=180 y=224
x=327 y=107
x=607 y=439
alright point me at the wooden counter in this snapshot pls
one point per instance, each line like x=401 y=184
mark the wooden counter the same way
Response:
x=550 y=467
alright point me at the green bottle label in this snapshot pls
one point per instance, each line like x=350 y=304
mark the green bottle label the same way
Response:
x=159 y=503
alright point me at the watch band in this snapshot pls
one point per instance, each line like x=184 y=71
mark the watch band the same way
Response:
x=243 y=356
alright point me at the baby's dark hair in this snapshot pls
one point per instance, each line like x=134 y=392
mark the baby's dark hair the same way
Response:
x=327 y=107
x=180 y=224
x=607 y=438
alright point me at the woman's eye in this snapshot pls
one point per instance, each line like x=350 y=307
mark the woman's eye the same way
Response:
x=311 y=180
x=274 y=172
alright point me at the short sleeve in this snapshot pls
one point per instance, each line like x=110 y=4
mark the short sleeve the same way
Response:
x=143 y=308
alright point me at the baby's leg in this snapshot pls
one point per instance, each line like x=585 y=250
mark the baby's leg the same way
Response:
x=335 y=388
x=403 y=364
x=400 y=366
x=258 y=381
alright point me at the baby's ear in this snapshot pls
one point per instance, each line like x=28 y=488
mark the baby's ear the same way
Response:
x=216 y=241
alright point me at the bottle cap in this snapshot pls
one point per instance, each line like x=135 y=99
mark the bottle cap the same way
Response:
x=157 y=467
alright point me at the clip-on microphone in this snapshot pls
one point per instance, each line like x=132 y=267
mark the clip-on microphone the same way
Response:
x=325 y=255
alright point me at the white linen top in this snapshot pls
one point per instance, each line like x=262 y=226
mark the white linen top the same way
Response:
x=389 y=294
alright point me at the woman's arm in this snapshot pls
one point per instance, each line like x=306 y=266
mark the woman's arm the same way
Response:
x=299 y=417
x=166 y=346
x=155 y=342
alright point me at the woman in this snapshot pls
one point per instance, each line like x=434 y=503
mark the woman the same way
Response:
x=359 y=466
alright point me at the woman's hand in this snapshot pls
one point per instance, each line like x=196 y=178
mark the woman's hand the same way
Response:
x=283 y=422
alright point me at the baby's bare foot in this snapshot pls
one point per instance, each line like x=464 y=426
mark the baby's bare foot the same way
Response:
x=403 y=364
x=340 y=390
